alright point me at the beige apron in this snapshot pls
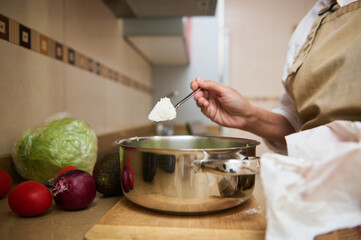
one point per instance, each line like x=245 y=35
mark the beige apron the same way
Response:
x=325 y=79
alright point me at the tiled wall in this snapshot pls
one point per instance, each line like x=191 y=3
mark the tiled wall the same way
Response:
x=21 y=35
x=68 y=56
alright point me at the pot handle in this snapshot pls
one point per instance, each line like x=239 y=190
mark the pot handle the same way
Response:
x=231 y=167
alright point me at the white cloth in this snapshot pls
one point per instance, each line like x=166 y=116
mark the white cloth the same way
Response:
x=344 y=2
x=316 y=188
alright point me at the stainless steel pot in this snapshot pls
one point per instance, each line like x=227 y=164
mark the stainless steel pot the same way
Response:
x=188 y=174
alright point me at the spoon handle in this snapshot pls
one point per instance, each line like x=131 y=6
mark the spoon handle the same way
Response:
x=187 y=97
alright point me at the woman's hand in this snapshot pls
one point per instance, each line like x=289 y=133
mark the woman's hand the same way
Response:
x=222 y=104
x=228 y=108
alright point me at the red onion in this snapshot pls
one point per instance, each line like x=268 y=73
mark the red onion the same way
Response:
x=74 y=189
x=125 y=175
x=127 y=179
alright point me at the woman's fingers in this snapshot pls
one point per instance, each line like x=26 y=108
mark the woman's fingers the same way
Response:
x=198 y=95
x=194 y=85
x=211 y=85
x=202 y=102
x=202 y=96
x=206 y=94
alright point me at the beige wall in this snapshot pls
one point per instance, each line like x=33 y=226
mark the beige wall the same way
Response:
x=34 y=86
x=259 y=32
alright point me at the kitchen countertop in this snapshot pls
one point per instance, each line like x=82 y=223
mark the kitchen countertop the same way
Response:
x=55 y=223
x=60 y=224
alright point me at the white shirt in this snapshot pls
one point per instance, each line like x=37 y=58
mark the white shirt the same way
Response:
x=297 y=40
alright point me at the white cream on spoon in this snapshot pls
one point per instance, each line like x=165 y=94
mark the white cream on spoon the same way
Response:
x=165 y=111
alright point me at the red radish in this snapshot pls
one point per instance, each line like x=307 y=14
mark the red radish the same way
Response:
x=5 y=183
x=74 y=190
x=30 y=198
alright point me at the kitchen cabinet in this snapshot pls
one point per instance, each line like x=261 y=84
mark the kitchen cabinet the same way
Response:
x=162 y=42
x=159 y=30
x=161 y=8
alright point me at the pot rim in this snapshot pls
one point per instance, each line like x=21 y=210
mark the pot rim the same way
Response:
x=125 y=143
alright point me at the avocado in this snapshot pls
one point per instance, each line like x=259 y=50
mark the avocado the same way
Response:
x=106 y=174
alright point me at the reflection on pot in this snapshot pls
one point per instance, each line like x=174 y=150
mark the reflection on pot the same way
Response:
x=152 y=161
x=150 y=165
x=127 y=176
x=236 y=186
x=167 y=163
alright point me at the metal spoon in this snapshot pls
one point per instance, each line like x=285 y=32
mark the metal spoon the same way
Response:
x=186 y=98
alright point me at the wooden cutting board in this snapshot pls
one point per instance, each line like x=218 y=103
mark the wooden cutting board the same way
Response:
x=129 y=221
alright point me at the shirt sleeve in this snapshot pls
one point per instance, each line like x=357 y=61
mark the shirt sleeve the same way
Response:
x=288 y=110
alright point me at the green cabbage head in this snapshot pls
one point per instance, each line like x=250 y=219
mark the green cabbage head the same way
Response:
x=40 y=153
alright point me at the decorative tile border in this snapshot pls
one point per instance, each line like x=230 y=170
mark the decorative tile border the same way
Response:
x=22 y=35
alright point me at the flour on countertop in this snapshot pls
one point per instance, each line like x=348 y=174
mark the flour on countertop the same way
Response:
x=254 y=211
x=163 y=111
